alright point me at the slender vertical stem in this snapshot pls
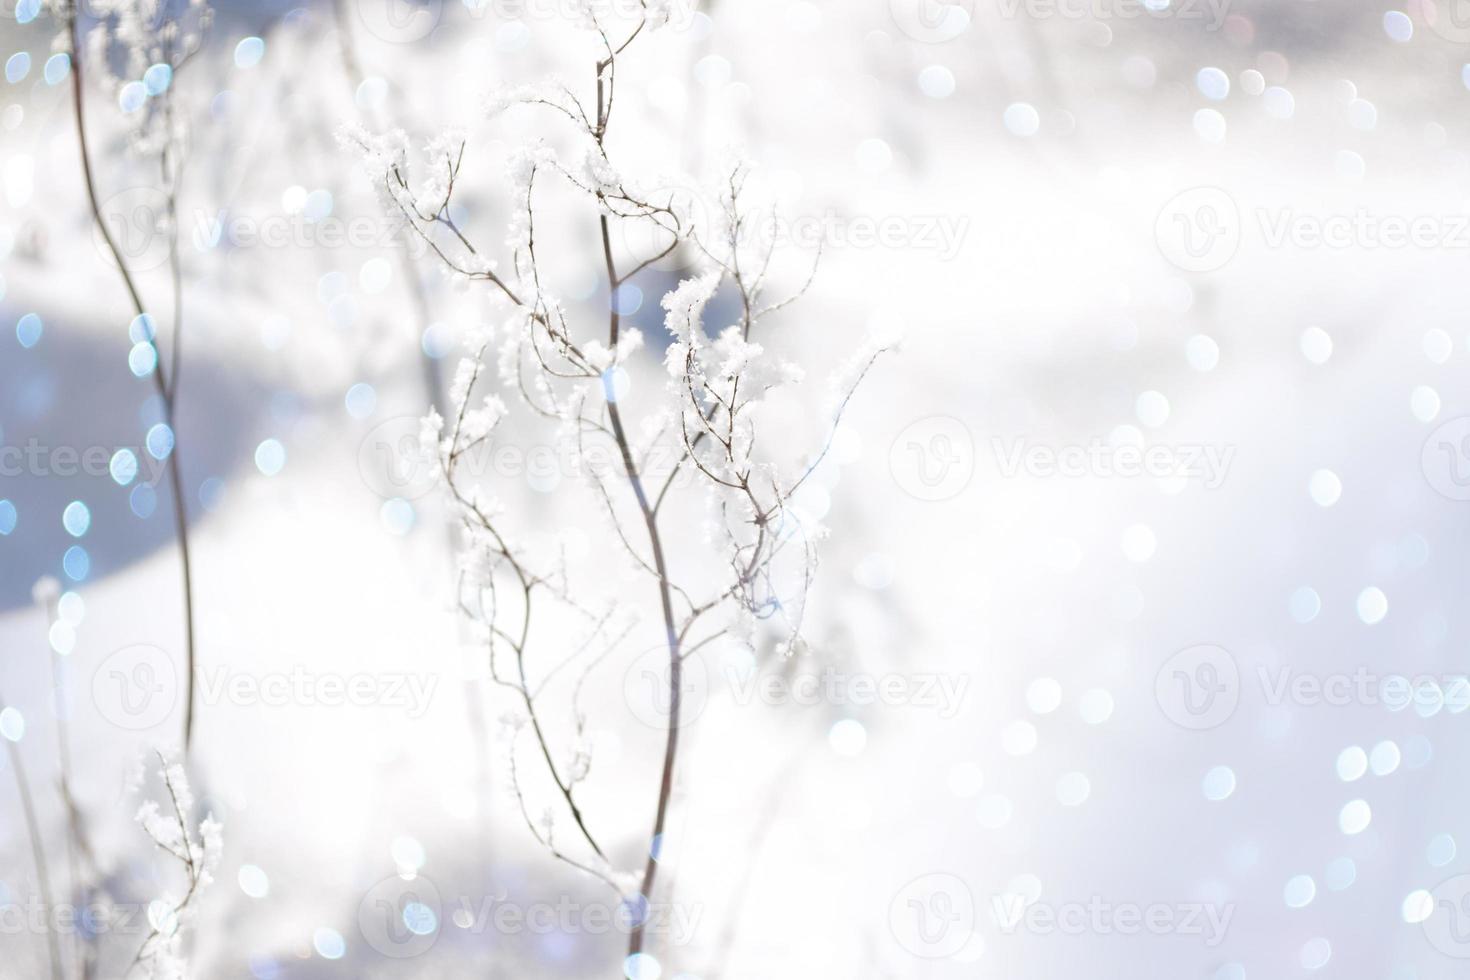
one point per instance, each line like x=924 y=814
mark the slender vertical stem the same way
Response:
x=655 y=541
x=63 y=759
x=38 y=852
x=160 y=375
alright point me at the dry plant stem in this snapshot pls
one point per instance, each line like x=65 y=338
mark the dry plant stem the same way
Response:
x=655 y=542
x=74 y=839
x=724 y=465
x=184 y=855
x=166 y=392
x=38 y=851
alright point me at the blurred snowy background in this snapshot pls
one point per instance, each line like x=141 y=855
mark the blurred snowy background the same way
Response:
x=1153 y=533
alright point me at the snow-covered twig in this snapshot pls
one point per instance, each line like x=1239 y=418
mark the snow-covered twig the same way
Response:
x=716 y=391
x=197 y=850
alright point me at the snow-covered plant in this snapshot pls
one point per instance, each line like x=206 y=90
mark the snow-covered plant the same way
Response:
x=197 y=849
x=758 y=563
x=136 y=48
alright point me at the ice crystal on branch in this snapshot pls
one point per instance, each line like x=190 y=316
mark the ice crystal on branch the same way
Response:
x=700 y=445
x=197 y=849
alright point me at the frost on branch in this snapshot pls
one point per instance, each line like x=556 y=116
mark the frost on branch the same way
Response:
x=150 y=41
x=698 y=442
x=197 y=850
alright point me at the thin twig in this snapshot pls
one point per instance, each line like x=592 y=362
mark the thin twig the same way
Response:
x=172 y=462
